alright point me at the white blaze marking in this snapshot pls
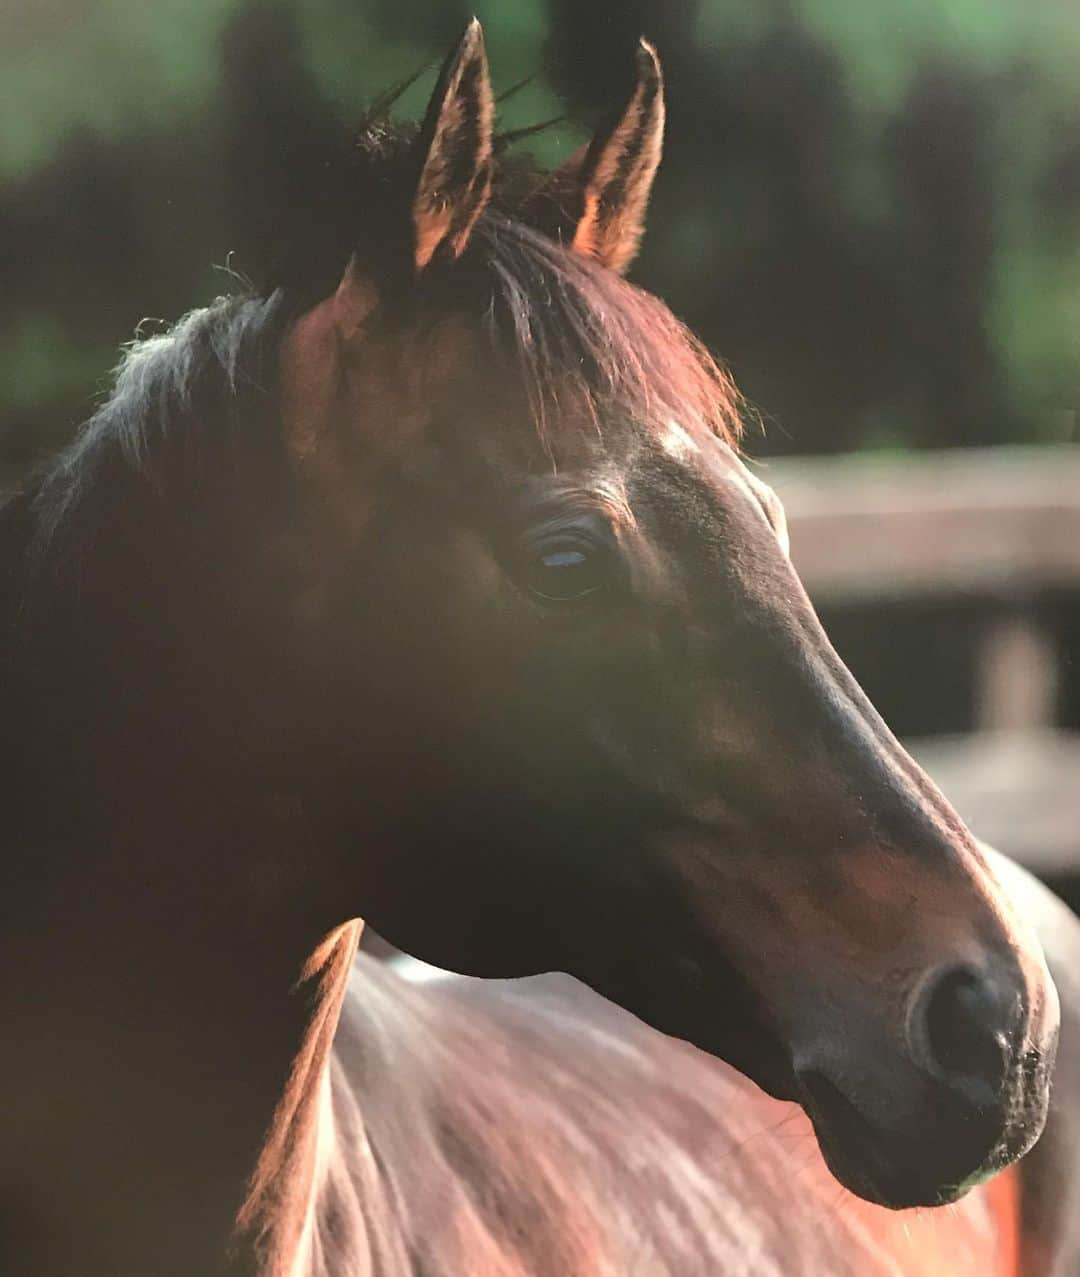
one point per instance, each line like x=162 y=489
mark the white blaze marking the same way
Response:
x=678 y=442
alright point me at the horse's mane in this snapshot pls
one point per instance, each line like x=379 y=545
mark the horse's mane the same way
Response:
x=175 y=405
x=575 y=326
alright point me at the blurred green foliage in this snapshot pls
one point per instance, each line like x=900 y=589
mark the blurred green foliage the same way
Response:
x=871 y=210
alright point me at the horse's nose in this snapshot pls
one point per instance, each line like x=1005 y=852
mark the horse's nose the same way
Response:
x=961 y=1085
x=962 y=1027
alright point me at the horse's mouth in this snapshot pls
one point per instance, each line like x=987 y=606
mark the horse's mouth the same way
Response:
x=857 y=1156
x=860 y=1157
x=909 y=1173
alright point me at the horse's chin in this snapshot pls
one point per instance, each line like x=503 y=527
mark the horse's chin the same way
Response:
x=860 y=1158
x=857 y=1157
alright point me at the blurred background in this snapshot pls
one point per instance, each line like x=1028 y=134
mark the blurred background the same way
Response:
x=870 y=211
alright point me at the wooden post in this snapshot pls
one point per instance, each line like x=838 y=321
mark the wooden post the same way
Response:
x=1017 y=677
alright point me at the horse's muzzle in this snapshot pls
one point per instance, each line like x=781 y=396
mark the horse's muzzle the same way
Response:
x=970 y=1097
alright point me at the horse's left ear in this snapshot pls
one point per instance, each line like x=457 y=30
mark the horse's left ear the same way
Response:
x=597 y=200
x=455 y=150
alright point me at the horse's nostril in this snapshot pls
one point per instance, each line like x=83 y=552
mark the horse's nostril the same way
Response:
x=963 y=1024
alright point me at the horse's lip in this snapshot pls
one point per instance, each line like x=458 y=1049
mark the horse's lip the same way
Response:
x=855 y=1153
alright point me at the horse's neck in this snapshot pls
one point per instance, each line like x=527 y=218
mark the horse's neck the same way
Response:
x=151 y=1020
x=142 y=1089
x=158 y=906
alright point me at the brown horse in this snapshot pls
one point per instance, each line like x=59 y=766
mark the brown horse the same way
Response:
x=431 y=586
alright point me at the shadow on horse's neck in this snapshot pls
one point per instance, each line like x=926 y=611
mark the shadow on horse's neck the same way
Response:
x=159 y=914
x=150 y=1056
x=148 y=1061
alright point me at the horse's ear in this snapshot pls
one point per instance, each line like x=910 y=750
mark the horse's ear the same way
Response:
x=452 y=181
x=455 y=149
x=597 y=200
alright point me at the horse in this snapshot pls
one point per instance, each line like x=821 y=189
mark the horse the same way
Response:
x=428 y=584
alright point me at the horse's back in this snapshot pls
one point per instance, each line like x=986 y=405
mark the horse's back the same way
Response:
x=529 y=1128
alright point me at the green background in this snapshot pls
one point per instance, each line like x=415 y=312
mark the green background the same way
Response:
x=870 y=210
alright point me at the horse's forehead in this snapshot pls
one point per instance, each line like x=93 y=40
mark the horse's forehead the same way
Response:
x=610 y=460
x=706 y=457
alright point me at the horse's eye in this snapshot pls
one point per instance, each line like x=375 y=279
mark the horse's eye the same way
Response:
x=563 y=568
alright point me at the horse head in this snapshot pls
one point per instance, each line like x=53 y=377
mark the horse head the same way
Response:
x=550 y=621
